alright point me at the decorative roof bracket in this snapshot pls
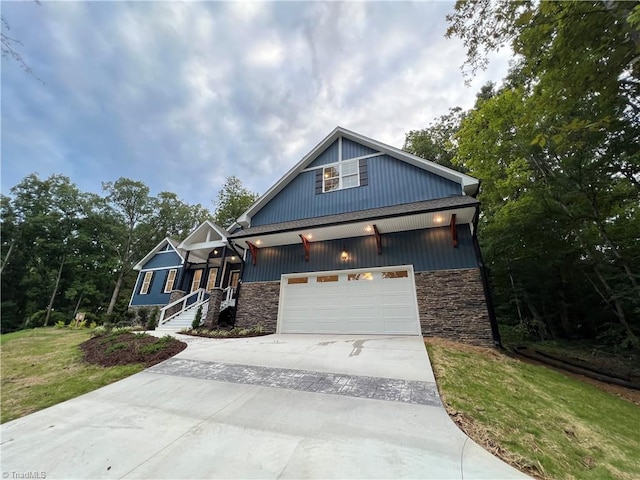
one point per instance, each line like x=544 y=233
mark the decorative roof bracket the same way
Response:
x=454 y=230
x=254 y=252
x=307 y=247
x=378 y=239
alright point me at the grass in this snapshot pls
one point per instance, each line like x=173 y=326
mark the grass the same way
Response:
x=44 y=366
x=547 y=424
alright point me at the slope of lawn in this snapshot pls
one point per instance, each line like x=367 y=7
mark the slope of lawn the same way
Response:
x=547 y=424
x=44 y=366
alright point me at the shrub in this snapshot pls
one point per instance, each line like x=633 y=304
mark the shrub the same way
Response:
x=152 y=323
x=60 y=324
x=115 y=347
x=143 y=315
x=99 y=331
x=197 y=320
x=93 y=325
x=81 y=324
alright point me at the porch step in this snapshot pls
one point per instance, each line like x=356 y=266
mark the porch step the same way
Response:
x=182 y=321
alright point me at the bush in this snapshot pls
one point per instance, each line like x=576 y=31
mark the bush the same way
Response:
x=152 y=323
x=99 y=331
x=143 y=315
x=197 y=320
x=60 y=324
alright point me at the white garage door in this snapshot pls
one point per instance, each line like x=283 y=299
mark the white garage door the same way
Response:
x=369 y=301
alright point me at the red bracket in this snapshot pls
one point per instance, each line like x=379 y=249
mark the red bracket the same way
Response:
x=254 y=252
x=454 y=230
x=307 y=247
x=378 y=239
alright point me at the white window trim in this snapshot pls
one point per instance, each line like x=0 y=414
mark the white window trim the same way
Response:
x=173 y=280
x=340 y=177
x=145 y=283
x=196 y=285
x=212 y=270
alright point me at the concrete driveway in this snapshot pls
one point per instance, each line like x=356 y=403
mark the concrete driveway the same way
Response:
x=279 y=406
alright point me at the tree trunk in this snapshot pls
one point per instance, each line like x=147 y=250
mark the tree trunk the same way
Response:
x=54 y=293
x=6 y=258
x=75 y=312
x=116 y=292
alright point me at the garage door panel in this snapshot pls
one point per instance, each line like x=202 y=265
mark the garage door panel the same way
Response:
x=367 y=301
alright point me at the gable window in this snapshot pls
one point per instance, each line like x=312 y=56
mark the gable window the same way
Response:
x=171 y=278
x=195 y=283
x=341 y=175
x=211 y=281
x=146 y=283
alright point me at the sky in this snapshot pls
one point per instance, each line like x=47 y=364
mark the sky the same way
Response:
x=182 y=95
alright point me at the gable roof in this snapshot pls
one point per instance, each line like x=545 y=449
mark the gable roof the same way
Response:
x=159 y=247
x=468 y=184
x=202 y=235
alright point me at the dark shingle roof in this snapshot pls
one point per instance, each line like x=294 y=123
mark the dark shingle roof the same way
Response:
x=447 y=203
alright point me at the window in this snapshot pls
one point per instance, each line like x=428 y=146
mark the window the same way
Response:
x=211 y=281
x=146 y=283
x=195 y=283
x=327 y=278
x=397 y=274
x=341 y=175
x=360 y=276
x=171 y=278
x=233 y=281
x=294 y=280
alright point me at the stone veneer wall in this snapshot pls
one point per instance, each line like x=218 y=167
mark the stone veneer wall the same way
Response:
x=258 y=304
x=452 y=304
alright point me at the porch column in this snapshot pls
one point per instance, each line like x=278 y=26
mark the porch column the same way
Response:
x=213 y=310
x=183 y=272
x=175 y=295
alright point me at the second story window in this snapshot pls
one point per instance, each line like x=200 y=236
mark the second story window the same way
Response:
x=341 y=175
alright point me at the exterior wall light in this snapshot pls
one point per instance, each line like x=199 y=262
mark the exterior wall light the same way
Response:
x=344 y=256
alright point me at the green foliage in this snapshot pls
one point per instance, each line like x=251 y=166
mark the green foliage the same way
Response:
x=556 y=151
x=158 y=345
x=152 y=323
x=60 y=324
x=60 y=247
x=233 y=199
x=143 y=315
x=114 y=347
x=197 y=320
x=99 y=331
x=550 y=425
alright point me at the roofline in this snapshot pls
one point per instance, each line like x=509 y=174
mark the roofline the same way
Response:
x=153 y=251
x=365 y=219
x=468 y=184
x=221 y=231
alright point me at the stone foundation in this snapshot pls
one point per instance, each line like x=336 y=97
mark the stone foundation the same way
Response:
x=452 y=305
x=175 y=295
x=213 y=309
x=258 y=305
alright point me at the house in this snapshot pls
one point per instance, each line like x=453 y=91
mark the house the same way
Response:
x=187 y=271
x=363 y=238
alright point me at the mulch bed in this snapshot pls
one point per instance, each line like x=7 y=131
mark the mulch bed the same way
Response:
x=126 y=348
x=204 y=335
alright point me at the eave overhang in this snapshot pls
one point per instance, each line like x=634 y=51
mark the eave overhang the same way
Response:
x=397 y=218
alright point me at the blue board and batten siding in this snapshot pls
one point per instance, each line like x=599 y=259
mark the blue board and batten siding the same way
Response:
x=391 y=182
x=349 y=150
x=429 y=249
x=156 y=295
x=160 y=264
x=163 y=259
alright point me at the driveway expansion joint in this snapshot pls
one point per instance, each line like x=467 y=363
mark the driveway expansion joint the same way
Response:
x=377 y=388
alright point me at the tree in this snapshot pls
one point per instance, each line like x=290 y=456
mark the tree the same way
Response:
x=437 y=142
x=233 y=199
x=556 y=150
x=128 y=207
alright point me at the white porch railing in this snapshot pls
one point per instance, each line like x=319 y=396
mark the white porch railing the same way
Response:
x=227 y=298
x=199 y=294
